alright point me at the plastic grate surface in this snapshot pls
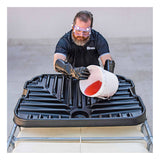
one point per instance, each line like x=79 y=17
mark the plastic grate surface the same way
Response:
x=56 y=100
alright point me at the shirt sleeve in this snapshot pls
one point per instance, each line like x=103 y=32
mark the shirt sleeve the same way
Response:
x=102 y=45
x=62 y=47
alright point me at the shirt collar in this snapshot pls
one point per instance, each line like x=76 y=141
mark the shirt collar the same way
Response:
x=91 y=36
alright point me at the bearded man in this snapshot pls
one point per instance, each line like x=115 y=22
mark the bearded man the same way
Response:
x=80 y=47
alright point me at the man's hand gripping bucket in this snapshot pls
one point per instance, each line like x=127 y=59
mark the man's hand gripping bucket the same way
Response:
x=100 y=83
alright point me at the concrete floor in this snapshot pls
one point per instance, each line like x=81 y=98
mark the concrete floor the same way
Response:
x=27 y=59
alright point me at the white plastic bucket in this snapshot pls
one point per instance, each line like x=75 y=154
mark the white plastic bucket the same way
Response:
x=100 y=83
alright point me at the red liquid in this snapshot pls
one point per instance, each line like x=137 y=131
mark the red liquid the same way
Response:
x=93 y=88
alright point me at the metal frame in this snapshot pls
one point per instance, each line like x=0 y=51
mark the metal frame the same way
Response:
x=144 y=127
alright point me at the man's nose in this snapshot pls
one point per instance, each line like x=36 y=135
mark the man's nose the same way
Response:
x=81 y=34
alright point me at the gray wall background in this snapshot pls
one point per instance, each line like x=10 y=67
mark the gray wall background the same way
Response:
x=44 y=23
x=34 y=32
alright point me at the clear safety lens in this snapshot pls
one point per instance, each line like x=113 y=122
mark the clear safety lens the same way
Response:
x=82 y=31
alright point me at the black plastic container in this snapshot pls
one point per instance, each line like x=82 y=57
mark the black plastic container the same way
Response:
x=55 y=100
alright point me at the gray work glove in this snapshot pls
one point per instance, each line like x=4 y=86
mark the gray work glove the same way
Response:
x=66 y=68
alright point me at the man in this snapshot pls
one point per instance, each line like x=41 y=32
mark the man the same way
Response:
x=81 y=47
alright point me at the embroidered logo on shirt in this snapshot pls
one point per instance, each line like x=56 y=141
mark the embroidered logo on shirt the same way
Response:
x=90 y=48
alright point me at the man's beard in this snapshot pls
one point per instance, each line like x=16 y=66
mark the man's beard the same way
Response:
x=80 y=42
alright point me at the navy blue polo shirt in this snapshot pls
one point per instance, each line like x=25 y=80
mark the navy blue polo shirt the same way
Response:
x=83 y=55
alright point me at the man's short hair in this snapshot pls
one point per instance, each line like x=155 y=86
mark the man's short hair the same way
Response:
x=84 y=16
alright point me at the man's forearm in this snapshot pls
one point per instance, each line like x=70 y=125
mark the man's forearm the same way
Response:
x=103 y=58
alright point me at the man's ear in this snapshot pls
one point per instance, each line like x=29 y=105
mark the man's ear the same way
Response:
x=72 y=26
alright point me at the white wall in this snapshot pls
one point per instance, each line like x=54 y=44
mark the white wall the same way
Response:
x=46 y=23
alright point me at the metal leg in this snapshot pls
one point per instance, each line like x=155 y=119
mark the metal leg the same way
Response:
x=149 y=136
x=142 y=128
x=148 y=131
x=11 y=137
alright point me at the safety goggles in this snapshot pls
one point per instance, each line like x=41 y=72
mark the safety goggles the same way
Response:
x=78 y=31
